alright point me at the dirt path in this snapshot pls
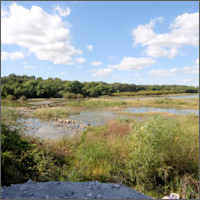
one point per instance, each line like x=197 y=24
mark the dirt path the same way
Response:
x=70 y=190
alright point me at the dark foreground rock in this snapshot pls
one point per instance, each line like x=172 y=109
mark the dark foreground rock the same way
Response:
x=70 y=190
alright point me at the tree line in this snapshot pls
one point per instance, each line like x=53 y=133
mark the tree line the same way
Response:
x=16 y=87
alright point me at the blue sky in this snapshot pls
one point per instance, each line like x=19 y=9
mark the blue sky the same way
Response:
x=128 y=42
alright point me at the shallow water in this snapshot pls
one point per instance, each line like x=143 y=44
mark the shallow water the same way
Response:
x=35 y=102
x=169 y=110
x=46 y=130
x=96 y=118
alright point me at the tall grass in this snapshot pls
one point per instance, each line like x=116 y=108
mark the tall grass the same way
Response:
x=154 y=155
x=93 y=103
x=60 y=112
x=166 y=102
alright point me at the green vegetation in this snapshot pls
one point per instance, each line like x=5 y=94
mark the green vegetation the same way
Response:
x=155 y=156
x=94 y=103
x=23 y=158
x=13 y=87
x=166 y=102
x=61 y=112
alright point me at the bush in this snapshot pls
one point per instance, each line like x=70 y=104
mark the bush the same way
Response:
x=22 y=97
x=15 y=163
x=80 y=96
x=11 y=97
x=24 y=158
x=70 y=95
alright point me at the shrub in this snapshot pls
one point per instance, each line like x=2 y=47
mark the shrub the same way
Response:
x=80 y=96
x=11 y=97
x=15 y=163
x=22 y=97
x=70 y=95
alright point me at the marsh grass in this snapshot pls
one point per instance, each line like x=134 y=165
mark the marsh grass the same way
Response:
x=97 y=103
x=166 y=102
x=151 y=156
x=54 y=112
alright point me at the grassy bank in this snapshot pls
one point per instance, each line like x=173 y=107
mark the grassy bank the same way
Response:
x=61 y=112
x=166 y=102
x=150 y=93
x=155 y=156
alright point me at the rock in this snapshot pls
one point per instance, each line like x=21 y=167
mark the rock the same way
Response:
x=116 y=185
x=29 y=181
x=99 y=196
x=90 y=194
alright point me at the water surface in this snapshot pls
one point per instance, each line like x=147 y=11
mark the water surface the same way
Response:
x=169 y=110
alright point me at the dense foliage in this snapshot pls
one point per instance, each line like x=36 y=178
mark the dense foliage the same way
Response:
x=23 y=87
x=26 y=158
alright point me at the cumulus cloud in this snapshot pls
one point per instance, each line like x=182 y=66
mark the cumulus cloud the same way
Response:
x=80 y=60
x=96 y=63
x=130 y=63
x=62 y=11
x=43 y=34
x=29 y=67
x=184 y=31
x=192 y=69
x=164 y=73
x=17 y=55
x=90 y=47
x=101 y=72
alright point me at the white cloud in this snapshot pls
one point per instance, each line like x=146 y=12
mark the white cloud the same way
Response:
x=17 y=55
x=101 y=72
x=184 y=31
x=29 y=67
x=90 y=47
x=96 y=63
x=155 y=51
x=136 y=74
x=63 y=73
x=80 y=60
x=192 y=69
x=164 y=73
x=130 y=63
x=63 y=11
x=43 y=34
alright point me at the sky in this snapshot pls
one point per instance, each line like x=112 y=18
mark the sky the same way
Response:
x=134 y=42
